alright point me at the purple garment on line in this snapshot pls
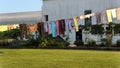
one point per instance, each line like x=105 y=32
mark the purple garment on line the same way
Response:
x=49 y=28
x=103 y=17
x=98 y=17
x=46 y=26
x=68 y=25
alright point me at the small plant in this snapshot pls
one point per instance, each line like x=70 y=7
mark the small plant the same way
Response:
x=103 y=41
x=79 y=43
x=118 y=43
x=92 y=43
x=44 y=42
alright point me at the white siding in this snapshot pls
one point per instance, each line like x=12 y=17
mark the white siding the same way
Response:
x=61 y=9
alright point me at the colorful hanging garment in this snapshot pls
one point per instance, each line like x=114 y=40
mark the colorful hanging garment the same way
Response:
x=92 y=14
x=46 y=26
x=88 y=15
x=3 y=28
x=81 y=17
x=114 y=13
x=57 y=27
x=118 y=13
x=98 y=17
x=53 y=29
x=49 y=28
x=32 y=28
x=62 y=26
x=68 y=25
x=109 y=15
x=41 y=29
x=10 y=27
x=103 y=17
x=23 y=29
x=76 y=24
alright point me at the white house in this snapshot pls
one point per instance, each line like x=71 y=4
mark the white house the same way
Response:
x=62 y=9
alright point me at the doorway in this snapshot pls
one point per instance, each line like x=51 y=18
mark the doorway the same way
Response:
x=79 y=35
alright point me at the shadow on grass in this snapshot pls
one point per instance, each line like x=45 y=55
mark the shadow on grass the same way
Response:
x=75 y=48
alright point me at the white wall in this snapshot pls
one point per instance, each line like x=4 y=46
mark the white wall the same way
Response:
x=61 y=9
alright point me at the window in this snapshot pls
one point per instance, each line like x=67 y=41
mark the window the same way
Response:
x=88 y=21
x=46 y=17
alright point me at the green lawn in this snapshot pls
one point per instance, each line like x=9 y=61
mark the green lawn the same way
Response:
x=46 y=58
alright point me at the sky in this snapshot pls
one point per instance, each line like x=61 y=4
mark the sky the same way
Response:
x=11 y=6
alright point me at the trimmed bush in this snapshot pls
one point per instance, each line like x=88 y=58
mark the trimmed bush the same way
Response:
x=49 y=41
x=118 y=43
x=103 y=42
x=92 y=43
x=79 y=43
x=6 y=42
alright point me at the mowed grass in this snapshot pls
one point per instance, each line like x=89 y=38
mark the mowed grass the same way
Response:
x=48 y=58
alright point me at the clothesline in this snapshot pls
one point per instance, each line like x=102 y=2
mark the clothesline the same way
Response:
x=58 y=27
x=103 y=15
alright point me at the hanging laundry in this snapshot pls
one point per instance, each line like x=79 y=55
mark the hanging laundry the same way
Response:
x=92 y=14
x=10 y=27
x=23 y=29
x=103 y=17
x=98 y=17
x=3 y=28
x=88 y=15
x=49 y=28
x=81 y=17
x=53 y=29
x=109 y=15
x=46 y=26
x=114 y=13
x=62 y=26
x=68 y=25
x=118 y=13
x=76 y=24
x=57 y=27
x=84 y=16
x=41 y=29
x=32 y=28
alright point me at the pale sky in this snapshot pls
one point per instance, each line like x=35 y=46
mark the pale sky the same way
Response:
x=11 y=6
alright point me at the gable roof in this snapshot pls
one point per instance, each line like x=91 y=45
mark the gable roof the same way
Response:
x=20 y=17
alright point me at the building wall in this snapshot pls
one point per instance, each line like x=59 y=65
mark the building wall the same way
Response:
x=59 y=9
x=62 y=9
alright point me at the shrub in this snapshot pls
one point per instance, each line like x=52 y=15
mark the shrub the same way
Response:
x=79 y=43
x=103 y=42
x=92 y=43
x=5 y=42
x=54 y=42
x=118 y=43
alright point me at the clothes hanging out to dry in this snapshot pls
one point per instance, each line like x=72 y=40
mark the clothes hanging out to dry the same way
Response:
x=41 y=29
x=103 y=17
x=76 y=24
x=57 y=27
x=62 y=26
x=23 y=29
x=109 y=15
x=68 y=25
x=32 y=28
x=98 y=17
x=118 y=13
x=53 y=29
